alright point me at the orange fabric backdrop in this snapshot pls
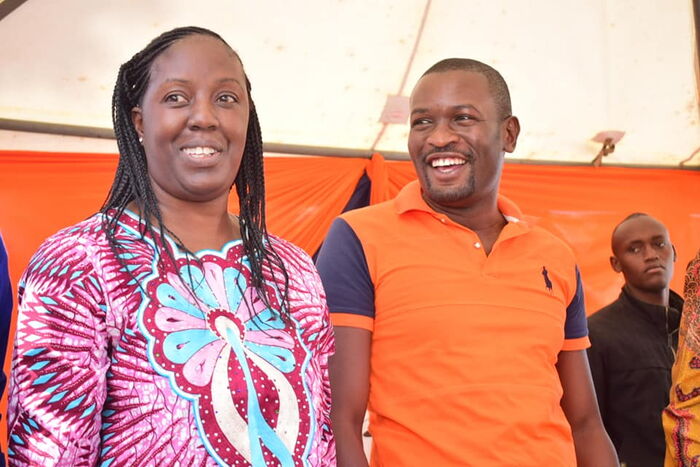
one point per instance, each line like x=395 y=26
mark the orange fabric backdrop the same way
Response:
x=43 y=192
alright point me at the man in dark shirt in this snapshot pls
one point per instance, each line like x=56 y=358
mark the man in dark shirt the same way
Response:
x=634 y=339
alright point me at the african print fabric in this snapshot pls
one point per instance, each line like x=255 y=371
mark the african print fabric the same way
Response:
x=148 y=362
x=681 y=418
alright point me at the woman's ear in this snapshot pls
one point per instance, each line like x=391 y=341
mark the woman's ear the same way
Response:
x=137 y=120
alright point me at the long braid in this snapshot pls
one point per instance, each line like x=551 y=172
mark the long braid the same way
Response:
x=250 y=187
x=132 y=183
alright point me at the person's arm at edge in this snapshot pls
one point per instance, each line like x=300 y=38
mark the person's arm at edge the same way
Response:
x=680 y=417
x=593 y=446
x=64 y=433
x=596 y=362
x=344 y=271
x=5 y=319
x=349 y=373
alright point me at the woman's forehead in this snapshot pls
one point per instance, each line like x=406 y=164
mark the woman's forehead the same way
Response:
x=197 y=52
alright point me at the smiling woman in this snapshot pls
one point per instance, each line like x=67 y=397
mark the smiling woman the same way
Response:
x=164 y=329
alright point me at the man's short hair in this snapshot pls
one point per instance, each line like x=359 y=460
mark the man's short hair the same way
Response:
x=497 y=85
x=634 y=215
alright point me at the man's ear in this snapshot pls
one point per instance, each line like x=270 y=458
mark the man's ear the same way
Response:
x=511 y=130
x=615 y=264
x=137 y=120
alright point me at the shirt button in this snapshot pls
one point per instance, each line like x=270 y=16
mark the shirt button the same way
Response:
x=477 y=245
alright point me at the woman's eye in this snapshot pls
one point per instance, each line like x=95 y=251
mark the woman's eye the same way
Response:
x=228 y=98
x=175 y=98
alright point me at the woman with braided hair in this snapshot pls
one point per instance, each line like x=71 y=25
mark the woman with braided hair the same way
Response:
x=164 y=330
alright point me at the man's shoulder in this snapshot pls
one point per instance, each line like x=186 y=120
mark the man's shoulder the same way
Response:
x=378 y=217
x=609 y=313
x=549 y=239
x=541 y=242
x=371 y=212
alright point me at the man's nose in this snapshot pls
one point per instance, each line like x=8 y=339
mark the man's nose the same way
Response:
x=650 y=253
x=442 y=135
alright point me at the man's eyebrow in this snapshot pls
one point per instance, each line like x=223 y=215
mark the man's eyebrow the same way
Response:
x=421 y=110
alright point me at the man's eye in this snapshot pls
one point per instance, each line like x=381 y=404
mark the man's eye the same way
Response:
x=635 y=249
x=465 y=119
x=419 y=122
x=661 y=244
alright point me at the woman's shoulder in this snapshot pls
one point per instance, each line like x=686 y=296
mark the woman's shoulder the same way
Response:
x=66 y=255
x=290 y=253
x=75 y=238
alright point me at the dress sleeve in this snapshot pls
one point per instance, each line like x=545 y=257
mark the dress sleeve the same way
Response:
x=681 y=419
x=60 y=360
x=308 y=307
x=343 y=268
x=324 y=348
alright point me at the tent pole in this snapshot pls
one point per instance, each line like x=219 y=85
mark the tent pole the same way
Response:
x=279 y=148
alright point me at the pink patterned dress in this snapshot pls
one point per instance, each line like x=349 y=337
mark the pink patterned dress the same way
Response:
x=183 y=366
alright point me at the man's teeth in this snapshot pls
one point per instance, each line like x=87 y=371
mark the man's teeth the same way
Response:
x=447 y=162
x=199 y=151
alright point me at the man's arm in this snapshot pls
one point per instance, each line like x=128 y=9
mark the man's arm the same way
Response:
x=593 y=446
x=349 y=372
x=350 y=292
x=596 y=362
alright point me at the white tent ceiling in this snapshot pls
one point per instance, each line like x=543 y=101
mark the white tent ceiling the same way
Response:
x=322 y=70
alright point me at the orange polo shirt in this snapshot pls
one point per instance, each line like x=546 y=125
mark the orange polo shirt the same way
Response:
x=464 y=345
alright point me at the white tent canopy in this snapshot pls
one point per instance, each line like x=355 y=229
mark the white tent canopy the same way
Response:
x=322 y=70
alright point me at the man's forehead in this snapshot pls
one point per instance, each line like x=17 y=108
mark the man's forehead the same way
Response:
x=452 y=79
x=639 y=229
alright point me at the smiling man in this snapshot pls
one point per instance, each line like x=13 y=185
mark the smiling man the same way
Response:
x=634 y=340
x=460 y=323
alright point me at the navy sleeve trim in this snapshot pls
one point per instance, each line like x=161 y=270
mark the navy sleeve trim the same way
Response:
x=576 y=324
x=342 y=266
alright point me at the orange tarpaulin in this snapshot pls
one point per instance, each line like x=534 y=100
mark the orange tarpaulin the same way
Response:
x=43 y=192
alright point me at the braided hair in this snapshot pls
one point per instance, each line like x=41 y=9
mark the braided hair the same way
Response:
x=132 y=183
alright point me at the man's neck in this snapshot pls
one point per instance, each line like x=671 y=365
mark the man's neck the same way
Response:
x=482 y=217
x=659 y=298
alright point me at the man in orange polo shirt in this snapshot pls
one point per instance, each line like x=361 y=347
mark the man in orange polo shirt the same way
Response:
x=460 y=324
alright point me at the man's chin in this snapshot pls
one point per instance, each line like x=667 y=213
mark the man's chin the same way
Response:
x=656 y=286
x=448 y=195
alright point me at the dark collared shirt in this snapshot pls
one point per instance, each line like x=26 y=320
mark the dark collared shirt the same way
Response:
x=633 y=344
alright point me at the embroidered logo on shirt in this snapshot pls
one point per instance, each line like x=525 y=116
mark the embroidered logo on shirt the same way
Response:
x=547 y=282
